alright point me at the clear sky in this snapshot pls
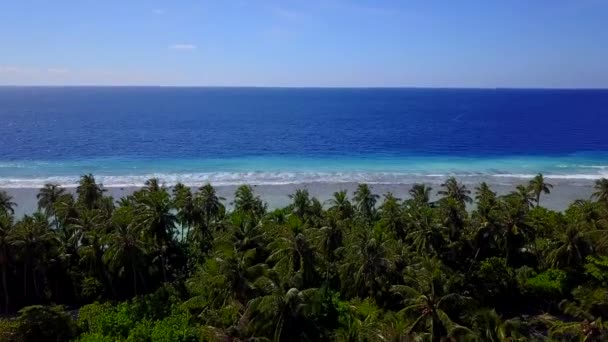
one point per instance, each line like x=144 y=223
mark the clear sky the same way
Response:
x=426 y=43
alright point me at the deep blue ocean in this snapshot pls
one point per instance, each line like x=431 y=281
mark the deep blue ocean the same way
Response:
x=124 y=135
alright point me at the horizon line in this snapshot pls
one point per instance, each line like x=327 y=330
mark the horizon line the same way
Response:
x=296 y=87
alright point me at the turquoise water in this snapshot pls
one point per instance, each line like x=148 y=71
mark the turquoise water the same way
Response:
x=288 y=170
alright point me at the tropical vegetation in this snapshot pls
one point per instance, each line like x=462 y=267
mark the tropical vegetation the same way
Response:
x=183 y=264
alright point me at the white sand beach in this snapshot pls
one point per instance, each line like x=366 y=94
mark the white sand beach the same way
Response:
x=563 y=193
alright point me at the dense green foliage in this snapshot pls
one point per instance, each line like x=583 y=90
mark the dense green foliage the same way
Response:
x=175 y=265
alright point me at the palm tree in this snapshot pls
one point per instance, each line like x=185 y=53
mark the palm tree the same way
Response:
x=246 y=234
x=587 y=215
x=152 y=185
x=154 y=211
x=6 y=226
x=586 y=309
x=89 y=192
x=283 y=313
x=315 y=212
x=538 y=185
x=426 y=235
x=454 y=216
x=126 y=251
x=92 y=246
x=6 y=204
x=421 y=193
x=208 y=213
x=525 y=197
x=588 y=212
x=512 y=229
x=87 y=221
x=294 y=256
x=455 y=190
x=106 y=205
x=245 y=201
x=48 y=197
x=391 y=215
x=573 y=246
x=490 y=326
x=601 y=191
x=209 y=203
x=65 y=209
x=369 y=264
x=485 y=236
x=374 y=268
x=585 y=330
x=426 y=298
x=341 y=205
x=301 y=204
x=486 y=199
x=362 y=323
x=237 y=272
x=331 y=239
x=33 y=239
x=183 y=201
x=365 y=201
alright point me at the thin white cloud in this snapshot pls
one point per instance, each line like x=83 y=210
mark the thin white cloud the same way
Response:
x=14 y=69
x=158 y=11
x=25 y=75
x=24 y=70
x=182 y=47
x=57 y=70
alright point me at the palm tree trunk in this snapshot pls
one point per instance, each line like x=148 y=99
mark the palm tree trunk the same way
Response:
x=109 y=281
x=474 y=260
x=278 y=330
x=143 y=281
x=188 y=231
x=182 y=229
x=435 y=328
x=55 y=221
x=134 y=279
x=35 y=282
x=5 y=289
x=25 y=280
x=162 y=262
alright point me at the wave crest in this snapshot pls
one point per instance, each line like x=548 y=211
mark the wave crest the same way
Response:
x=280 y=178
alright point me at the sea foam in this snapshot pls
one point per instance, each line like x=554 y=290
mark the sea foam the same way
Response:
x=282 y=178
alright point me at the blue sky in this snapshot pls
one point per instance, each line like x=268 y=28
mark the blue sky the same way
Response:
x=511 y=43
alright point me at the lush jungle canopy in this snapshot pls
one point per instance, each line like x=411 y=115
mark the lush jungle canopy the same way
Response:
x=173 y=264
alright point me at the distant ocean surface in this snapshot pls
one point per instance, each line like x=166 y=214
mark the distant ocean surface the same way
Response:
x=226 y=136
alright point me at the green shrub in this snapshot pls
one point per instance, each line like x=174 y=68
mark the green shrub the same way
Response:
x=107 y=320
x=550 y=283
x=222 y=317
x=141 y=332
x=92 y=288
x=95 y=337
x=174 y=328
x=496 y=280
x=44 y=323
x=597 y=268
x=142 y=319
x=8 y=329
x=156 y=305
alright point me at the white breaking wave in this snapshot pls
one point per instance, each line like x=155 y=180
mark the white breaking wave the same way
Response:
x=555 y=176
x=278 y=178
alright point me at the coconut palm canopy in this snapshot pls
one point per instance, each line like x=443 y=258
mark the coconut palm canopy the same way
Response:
x=180 y=263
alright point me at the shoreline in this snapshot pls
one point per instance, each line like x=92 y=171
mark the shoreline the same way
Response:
x=563 y=193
